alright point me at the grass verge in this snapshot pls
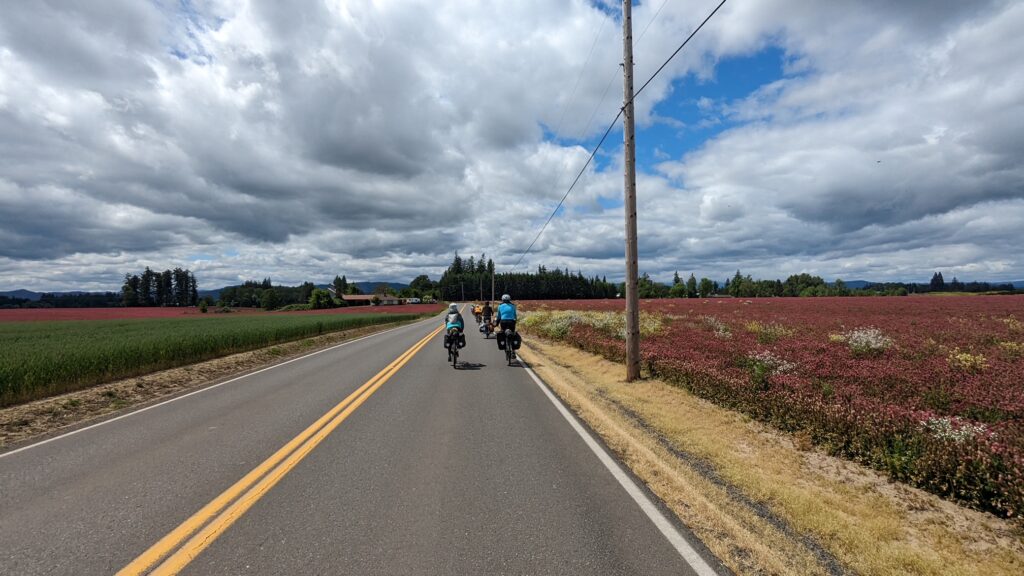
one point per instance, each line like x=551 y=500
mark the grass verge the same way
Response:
x=763 y=501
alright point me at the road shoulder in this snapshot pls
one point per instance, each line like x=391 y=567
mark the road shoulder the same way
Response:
x=761 y=501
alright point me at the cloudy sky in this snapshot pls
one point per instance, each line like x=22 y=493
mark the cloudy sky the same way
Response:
x=243 y=139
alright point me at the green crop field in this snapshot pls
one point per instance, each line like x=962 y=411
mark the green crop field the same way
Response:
x=39 y=359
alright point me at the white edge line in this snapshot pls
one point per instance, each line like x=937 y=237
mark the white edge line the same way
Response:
x=201 y=390
x=666 y=527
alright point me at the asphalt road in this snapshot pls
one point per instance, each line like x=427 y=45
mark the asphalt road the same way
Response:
x=439 y=471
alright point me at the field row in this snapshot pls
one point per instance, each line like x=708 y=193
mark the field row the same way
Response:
x=929 y=389
x=39 y=359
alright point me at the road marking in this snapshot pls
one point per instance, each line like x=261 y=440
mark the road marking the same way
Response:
x=206 y=389
x=664 y=525
x=210 y=521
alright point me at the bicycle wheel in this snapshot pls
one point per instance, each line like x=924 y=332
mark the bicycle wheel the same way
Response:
x=455 y=359
x=508 y=347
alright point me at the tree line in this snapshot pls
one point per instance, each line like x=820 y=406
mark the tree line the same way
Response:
x=304 y=296
x=470 y=279
x=744 y=286
x=65 y=300
x=803 y=285
x=168 y=288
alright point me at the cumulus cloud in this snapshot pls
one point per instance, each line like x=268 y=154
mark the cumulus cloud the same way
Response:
x=298 y=140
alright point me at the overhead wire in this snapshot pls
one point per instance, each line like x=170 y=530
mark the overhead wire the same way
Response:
x=565 y=107
x=612 y=124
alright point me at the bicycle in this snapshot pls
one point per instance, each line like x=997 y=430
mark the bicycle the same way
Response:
x=453 y=347
x=510 y=353
x=487 y=328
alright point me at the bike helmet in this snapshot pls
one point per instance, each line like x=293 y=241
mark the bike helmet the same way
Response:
x=506 y=298
x=453 y=307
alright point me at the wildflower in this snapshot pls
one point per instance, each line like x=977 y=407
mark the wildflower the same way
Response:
x=772 y=363
x=966 y=361
x=1012 y=349
x=767 y=332
x=868 y=341
x=954 y=429
x=556 y=324
x=720 y=328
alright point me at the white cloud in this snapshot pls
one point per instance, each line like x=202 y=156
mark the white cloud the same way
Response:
x=374 y=139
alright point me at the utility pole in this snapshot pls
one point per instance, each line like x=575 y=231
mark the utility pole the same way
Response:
x=492 y=283
x=629 y=141
x=463 y=286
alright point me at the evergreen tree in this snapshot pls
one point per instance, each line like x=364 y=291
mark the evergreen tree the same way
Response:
x=146 y=287
x=193 y=289
x=130 y=290
x=706 y=287
x=269 y=299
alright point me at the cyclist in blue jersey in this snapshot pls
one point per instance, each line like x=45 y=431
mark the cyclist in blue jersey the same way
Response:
x=454 y=326
x=506 y=319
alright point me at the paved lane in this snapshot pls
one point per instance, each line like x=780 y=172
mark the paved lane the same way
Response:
x=440 y=471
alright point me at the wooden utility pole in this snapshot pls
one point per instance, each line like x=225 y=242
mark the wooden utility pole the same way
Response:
x=629 y=141
x=492 y=283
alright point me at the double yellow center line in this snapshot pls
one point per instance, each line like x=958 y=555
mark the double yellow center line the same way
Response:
x=203 y=527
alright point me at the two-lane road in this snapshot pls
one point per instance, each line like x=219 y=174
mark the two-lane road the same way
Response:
x=373 y=457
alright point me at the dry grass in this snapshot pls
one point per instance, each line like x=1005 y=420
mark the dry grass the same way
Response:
x=759 y=499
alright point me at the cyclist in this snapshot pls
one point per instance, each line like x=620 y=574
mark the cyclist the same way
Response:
x=487 y=313
x=506 y=320
x=454 y=325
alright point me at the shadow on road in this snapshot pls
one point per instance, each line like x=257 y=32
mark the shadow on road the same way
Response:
x=471 y=366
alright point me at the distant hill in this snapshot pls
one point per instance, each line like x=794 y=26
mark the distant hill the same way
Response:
x=36 y=296
x=24 y=294
x=366 y=287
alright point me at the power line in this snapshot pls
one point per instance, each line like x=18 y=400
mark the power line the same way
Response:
x=571 y=186
x=612 y=125
x=590 y=121
x=611 y=78
x=688 y=38
x=649 y=22
x=565 y=107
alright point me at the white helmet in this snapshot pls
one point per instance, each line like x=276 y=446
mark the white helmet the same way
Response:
x=453 y=307
x=506 y=298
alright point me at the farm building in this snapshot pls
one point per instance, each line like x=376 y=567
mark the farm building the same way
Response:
x=368 y=298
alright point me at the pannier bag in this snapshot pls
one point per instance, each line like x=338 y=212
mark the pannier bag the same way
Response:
x=517 y=341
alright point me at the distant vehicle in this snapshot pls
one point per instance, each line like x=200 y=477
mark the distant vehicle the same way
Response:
x=412 y=300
